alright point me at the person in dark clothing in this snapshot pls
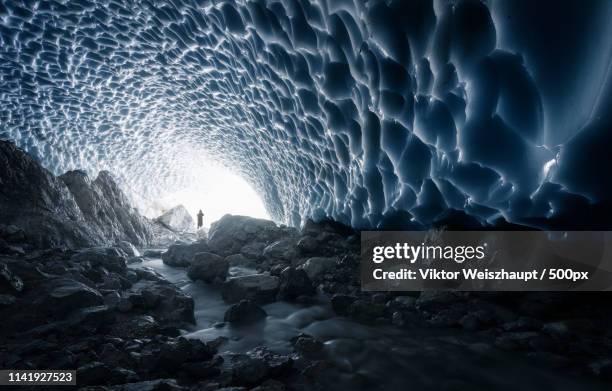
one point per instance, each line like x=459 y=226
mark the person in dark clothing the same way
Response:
x=200 y=219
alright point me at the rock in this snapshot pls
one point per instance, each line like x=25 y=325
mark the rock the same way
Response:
x=367 y=311
x=9 y=281
x=405 y=302
x=164 y=300
x=128 y=248
x=153 y=253
x=308 y=245
x=94 y=373
x=307 y=344
x=177 y=219
x=253 y=250
x=181 y=254
x=208 y=267
x=256 y=365
x=341 y=303
x=284 y=250
x=270 y=385
x=107 y=257
x=295 y=282
x=238 y=260
x=64 y=295
x=246 y=311
x=107 y=209
x=229 y=234
x=176 y=352
x=436 y=300
x=261 y=288
x=316 y=266
x=39 y=204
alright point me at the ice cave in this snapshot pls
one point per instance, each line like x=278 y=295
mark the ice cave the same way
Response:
x=317 y=119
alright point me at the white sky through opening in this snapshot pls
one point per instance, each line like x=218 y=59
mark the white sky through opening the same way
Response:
x=217 y=191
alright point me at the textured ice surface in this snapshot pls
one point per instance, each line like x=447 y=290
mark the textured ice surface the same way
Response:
x=367 y=112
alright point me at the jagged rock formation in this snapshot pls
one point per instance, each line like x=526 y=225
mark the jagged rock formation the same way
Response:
x=177 y=219
x=70 y=210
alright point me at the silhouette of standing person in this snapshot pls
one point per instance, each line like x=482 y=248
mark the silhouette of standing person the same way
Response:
x=200 y=219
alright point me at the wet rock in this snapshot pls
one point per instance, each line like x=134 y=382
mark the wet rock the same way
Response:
x=65 y=294
x=294 y=283
x=153 y=253
x=246 y=311
x=177 y=219
x=341 y=303
x=133 y=260
x=436 y=300
x=315 y=267
x=228 y=235
x=308 y=245
x=181 y=350
x=257 y=365
x=261 y=288
x=166 y=301
x=109 y=258
x=128 y=248
x=238 y=260
x=283 y=250
x=307 y=344
x=9 y=281
x=182 y=254
x=253 y=250
x=208 y=267
x=367 y=311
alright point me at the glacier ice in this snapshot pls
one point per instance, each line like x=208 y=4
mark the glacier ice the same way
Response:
x=372 y=113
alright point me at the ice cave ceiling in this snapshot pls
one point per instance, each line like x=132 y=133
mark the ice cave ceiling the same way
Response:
x=363 y=111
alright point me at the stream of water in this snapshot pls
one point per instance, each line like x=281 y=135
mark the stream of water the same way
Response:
x=371 y=357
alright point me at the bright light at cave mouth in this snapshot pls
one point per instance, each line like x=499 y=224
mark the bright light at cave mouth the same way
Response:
x=216 y=191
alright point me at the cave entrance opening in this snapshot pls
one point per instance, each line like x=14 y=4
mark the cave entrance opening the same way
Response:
x=216 y=191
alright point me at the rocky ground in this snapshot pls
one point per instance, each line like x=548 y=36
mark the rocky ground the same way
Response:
x=121 y=326
x=74 y=296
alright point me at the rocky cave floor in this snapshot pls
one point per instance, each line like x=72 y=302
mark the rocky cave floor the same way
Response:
x=121 y=324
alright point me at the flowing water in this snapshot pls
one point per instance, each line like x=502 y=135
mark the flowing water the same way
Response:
x=371 y=357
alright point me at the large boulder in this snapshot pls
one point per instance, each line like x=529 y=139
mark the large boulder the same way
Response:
x=177 y=219
x=246 y=311
x=63 y=295
x=181 y=254
x=295 y=283
x=284 y=250
x=258 y=287
x=229 y=234
x=109 y=258
x=208 y=267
